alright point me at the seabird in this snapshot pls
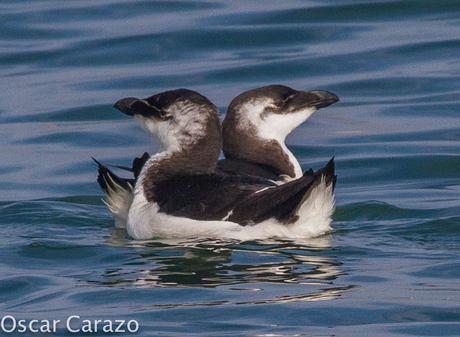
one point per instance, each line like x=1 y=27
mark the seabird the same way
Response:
x=178 y=192
x=256 y=126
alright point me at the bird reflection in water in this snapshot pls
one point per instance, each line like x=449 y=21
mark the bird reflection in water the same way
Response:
x=239 y=266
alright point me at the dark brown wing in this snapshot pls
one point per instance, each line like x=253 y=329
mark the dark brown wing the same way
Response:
x=282 y=202
x=205 y=197
x=243 y=167
x=242 y=199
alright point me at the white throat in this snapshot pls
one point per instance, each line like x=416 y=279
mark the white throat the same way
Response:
x=278 y=127
x=162 y=131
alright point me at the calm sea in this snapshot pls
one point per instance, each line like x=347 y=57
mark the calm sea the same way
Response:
x=390 y=268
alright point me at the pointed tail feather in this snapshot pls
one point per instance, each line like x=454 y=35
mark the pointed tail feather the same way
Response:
x=118 y=193
x=109 y=181
x=136 y=167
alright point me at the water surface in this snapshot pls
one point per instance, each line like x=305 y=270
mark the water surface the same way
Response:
x=390 y=268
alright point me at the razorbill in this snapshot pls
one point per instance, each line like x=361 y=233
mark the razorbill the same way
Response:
x=178 y=193
x=256 y=126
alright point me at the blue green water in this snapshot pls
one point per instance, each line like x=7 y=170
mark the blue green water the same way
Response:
x=390 y=268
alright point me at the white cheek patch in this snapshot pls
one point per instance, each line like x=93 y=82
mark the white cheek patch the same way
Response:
x=277 y=126
x=274 y=126
x=147 y=124
x=250 y=115
x=271 y=126
x=161 y=130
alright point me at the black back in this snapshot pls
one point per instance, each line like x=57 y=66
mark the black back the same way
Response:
x=205 y=197
x=244 y=167
x=233 y=197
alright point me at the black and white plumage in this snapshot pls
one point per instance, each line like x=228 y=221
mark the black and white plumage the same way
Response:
x=119 y=191
x=179 y=193
x=256 y=126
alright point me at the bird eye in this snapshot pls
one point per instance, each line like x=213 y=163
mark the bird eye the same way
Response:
x=165 y=115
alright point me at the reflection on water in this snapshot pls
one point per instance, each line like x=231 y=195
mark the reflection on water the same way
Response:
x=395 y=135
x=249 y=267
x=320 y=295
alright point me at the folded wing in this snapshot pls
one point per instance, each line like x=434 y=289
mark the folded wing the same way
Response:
x=242 y=199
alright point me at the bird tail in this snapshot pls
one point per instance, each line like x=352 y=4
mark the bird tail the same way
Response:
x=313 y=214
x=309 y=198
x=136 y=167
x=118 y=193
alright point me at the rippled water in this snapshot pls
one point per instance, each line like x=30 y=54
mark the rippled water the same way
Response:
x=390 y=268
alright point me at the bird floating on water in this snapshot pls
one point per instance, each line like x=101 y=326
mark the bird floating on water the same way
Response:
x=185 y=191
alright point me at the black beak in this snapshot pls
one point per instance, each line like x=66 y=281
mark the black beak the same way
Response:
x=125 y=105
x=323 y=98
x=310 y=99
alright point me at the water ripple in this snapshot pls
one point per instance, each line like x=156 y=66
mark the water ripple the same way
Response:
x=392 y=260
